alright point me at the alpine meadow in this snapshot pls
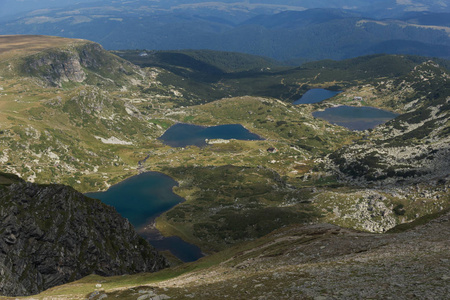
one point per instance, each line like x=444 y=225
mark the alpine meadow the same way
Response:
x=193 y=149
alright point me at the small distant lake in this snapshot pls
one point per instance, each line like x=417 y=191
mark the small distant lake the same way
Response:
x=182 y=135
x=141 y=199
x=315 y=96
x=355 y=118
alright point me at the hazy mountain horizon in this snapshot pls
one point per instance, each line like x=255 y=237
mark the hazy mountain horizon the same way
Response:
x=285 y=33
x=10 y=8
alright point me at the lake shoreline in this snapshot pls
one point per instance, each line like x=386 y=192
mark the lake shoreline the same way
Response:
x=152 y=235
x=141 y=199
x=359 y=118
x=313 y=96
x=182 y=135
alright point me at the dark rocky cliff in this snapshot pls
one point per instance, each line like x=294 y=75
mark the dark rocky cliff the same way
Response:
x=52 y=234
x=82 y=62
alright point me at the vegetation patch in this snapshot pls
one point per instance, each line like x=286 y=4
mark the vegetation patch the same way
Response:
x=229 y=204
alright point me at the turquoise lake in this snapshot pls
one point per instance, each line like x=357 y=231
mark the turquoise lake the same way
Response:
x=141 y=199
x=182 y=135
x=355 y=118
x=315 y=96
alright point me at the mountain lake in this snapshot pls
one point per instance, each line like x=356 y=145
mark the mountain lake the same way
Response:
x=355 y=118
x=315 y=96
x=182 y=135
x=141 y=199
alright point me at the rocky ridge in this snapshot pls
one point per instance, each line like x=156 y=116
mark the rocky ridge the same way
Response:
x=405 y=162
x=64 y=101
x=85 y=62
x=412 y=148
x=52 y=234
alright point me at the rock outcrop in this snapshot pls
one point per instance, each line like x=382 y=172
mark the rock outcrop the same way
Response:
x=59 y=68
x=321 y=261
x=82 y=62
x=52 y=234
x=413 y=147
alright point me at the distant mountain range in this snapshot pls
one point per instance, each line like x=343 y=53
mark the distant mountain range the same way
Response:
x=378 y=8
x=284 y=30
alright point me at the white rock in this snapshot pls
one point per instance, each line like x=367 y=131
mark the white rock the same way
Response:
x=113 y=141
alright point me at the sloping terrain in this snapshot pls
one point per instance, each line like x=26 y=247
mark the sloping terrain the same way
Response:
x=52 y=234
x=415 y=146
x=64 y=105
x=399 y=170
x=204 y=75
x=298 y=262
x=74 y=113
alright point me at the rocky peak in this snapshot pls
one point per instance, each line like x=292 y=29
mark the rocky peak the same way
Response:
x=58 y=67
x=78 y=63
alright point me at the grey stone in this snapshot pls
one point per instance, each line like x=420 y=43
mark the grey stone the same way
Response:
x=42 y=244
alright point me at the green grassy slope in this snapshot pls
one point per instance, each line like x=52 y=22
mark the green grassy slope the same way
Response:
x=74 y=113
x=211 y=75
x=67 y=112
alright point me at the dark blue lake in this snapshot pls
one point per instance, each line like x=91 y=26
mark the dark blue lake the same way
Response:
x=315 y=96
x=182 y=135
x=355 y=118
x=141 y=199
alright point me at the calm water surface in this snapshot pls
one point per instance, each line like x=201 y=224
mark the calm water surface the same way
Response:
x=182 y=135
x=315 y=96
x=355 y=118
x=141 y=199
